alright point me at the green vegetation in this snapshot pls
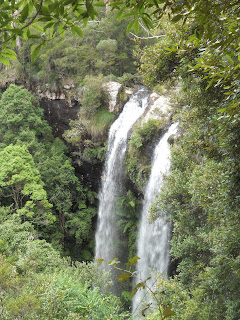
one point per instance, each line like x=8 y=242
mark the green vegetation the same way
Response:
x=138 y=162
x=201 y=191
x=89 y=132
x=67 y=60
x=35 y=283
x=37 y=179
x=22 y=187
x=45 y=211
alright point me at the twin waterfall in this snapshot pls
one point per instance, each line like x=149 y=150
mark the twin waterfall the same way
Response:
x=153 y=238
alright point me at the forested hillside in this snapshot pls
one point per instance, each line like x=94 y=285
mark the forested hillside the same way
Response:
x=185 y=51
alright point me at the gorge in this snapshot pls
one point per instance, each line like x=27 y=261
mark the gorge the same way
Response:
x=119 y=160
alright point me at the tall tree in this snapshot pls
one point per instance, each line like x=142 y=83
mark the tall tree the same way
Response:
x=21 y=186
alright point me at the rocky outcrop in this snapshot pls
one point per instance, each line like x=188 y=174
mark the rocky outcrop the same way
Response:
x=113 y=89
x=159 y=108
x=118 y=96
x=58 y=114
x=143 y=139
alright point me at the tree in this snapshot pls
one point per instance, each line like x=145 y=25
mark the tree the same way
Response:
x=214 y=30
x=201 y=196
x=21 y=182
x=21 y=18
x=44 y=160
x=21 y=118
x=36 y=283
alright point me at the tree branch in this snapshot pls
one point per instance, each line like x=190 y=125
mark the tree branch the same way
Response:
x=145 y=38
x=30 y=22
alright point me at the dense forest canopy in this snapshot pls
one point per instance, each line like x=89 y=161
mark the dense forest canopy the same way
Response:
x=48 y=211
x=214 y=29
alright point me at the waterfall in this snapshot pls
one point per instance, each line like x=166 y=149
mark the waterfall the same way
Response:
x=153 y=238
x=106 y=234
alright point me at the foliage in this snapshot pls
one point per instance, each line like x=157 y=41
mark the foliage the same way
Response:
x=94 y=118
x=206 y=44
x=68 y=60
x=160 y=308
x=21 y=181
x=36 y=283
x=201 y=193
x=93 y=96
x=142 y=134
x=94 y=155
x=42 y=173
x=128 y=208
x=137 y=162
x=24 y=19
x=213 y=24
x=201 y=196
x=138 y=170
x=20 y=113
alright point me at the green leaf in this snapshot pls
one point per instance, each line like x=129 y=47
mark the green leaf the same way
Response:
x=34 y=36
x=85 y=21
x=136 y=26
x=77 y=30
x=10 y=54
x=45 y=11
x=127 y=226
x=66 y=2
x=48 y=25
x=119 y=14
x=126 y=15
x=140 y=285
x=148 y=23
x=168 y=312
x=24 y=13
x=132 y=261
x=145 y=309
x=115 y=3
x=35 y=53
x=38 y=28
x=100 y=261
x=5 y=61
x=99 y=4
x=230 y=59
x=129 y=27
x=114 y=262
x=124 y=276
x=177 y=18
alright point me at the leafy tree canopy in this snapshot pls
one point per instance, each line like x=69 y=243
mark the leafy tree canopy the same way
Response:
x=213 y=30
x=20 y=180
x=31 y=19
x=21 y=117
x=21 y=18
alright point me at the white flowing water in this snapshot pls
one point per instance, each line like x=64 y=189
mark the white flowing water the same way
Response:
x=106 y=234
x=153 y=238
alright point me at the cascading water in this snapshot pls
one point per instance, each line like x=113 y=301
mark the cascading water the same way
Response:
x=106 y=235
x=153 y=238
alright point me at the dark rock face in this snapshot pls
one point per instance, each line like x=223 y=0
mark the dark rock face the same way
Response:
x=58 y=113
x=89 y=174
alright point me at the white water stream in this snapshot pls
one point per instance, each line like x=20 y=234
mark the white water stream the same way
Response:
x=153 y=238
x=106 y=234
